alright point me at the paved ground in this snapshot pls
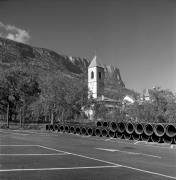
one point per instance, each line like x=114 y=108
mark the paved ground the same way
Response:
x=33 y=155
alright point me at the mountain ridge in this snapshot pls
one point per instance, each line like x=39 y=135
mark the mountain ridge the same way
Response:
x=14 y=53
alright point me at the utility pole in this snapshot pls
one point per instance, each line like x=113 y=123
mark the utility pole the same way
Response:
x=8 y=115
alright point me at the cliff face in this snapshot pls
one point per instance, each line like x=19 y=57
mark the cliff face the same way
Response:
x=14 y=53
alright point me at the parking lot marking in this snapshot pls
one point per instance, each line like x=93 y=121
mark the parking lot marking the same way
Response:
x=149 y=172
x=110 y=150
x=56 y=154
x=128 y=152
x=95 y=159
x=49 y=169
x=18 y=145
x=52 y=149
x=119 y=165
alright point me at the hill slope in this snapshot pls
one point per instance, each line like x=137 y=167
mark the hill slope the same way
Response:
x=41 y=60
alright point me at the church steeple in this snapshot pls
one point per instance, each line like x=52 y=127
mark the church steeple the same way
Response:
x=95 y=63
x=96 y=79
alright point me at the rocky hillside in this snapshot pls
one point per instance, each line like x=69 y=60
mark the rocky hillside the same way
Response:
x=13 y=53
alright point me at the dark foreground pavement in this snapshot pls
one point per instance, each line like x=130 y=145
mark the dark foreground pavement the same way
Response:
x=31 y=155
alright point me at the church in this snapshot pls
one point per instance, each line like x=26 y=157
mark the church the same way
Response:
x=96 y=77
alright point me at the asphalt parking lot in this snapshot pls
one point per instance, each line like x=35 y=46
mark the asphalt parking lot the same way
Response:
x=44 y=155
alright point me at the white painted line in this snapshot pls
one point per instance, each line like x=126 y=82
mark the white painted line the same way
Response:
x=18 y=145
x=49 y=169
x=119 y=165
x=110 y=150
x=84 y=156
x=53 y=149
x=15 y=133
x=56 y=154
x=150 y=172
x=128 y=152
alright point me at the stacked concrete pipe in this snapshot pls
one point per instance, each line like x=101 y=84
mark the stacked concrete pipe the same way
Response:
x=158 y=133
x=83 y=131
x=113 y=126
x=148 y=132
x=72 y=129
x=111 y=134
x=170 y=134
x=91 y=131
x=137 y=131
x=98 y=132
x=105 y=132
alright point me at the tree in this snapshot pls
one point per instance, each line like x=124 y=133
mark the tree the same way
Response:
x=18 y=89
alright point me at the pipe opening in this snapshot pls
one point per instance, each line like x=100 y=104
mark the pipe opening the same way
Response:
x=111 y=134
x=104 y=132
x=105 y=124
x=72 y=129
x=78 y=130
x=148 y=129
x=97 y=132
x=90 y=131
x=121 y=127
x=129 y=128
x=83 y=131
x=159 y=130
x=171 y=130
x=113 y=126
x=139 y=129
x=99 y=124
x=61 y=128
x=136 y=136
x=144 y=137
x=155 y=138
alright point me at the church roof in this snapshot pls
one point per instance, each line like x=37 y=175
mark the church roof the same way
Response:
x=95 y=63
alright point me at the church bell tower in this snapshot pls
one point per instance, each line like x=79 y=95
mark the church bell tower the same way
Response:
x=96 y=79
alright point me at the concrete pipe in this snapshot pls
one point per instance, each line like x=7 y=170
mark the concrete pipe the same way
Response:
x=90 y=131
x=62 y=128
x=138 y=128
x=170 y=130
x=104 y=132
x=98 y=132
x=119 y=135
x=105 y=124
x=99 y=124
x=145 y=137
x=126 y=135
x=155 y=138
x=83 y=131
x=47 y=127
x=113 y=126
x=112 y=134
x=168 y=139
x=55 y=127
x=78 y=130
x=159 y=130
x=129 y=128
x=121 y=127
x=58 y=128
x=136 y=136
x=148 y=129
x=66 y=129
x=72 y=129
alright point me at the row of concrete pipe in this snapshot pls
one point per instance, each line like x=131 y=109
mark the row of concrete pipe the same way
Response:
x=159 y=133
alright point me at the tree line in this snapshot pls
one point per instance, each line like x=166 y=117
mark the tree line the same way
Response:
x=30 y=96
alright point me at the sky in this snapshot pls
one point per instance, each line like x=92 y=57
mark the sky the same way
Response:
x=137 y=36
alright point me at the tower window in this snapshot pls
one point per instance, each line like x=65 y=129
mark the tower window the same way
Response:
x=92 y=75
x=99 y=75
